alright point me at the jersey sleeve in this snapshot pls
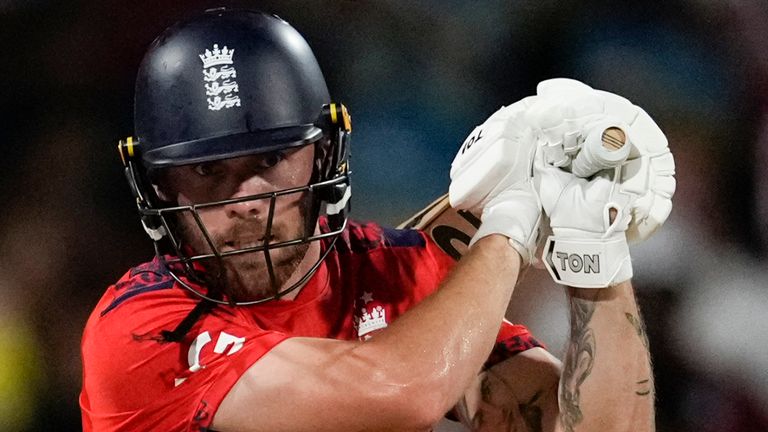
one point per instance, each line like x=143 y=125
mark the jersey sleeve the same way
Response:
x=229 y=353
x=441 y=262
x=135 y=380
x=512 y=339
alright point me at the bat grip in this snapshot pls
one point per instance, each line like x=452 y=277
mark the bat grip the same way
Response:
x=605 y=146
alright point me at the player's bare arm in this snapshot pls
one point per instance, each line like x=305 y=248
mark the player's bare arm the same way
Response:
x=607 y=364
x=405 y=378
x=607 y=381
x=408 y=376
x=517 y=394
x=592 y=216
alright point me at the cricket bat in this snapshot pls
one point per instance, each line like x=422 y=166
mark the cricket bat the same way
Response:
x=451 y=229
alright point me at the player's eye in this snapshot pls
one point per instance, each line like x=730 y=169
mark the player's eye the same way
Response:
x=206 y=169
x=268 y=160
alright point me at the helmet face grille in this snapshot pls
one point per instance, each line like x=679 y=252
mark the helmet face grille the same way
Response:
x=205 y=266
x=226 y=74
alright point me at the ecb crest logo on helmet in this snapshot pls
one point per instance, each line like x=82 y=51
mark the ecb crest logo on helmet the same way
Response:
x=220 y=84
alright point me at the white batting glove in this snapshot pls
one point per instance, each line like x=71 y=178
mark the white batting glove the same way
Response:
x=561 y=117
x=587 y=249
x=492 y=173
x=566 y=112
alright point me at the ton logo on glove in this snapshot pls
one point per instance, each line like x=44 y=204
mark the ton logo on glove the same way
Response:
x=577 y=263
x=471 y=140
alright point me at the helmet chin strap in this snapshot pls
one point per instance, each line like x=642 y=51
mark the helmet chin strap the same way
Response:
x=340 y=205
x=181 y=330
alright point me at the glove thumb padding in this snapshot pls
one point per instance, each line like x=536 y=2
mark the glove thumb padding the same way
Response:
x=585 y=205
x=515 y=213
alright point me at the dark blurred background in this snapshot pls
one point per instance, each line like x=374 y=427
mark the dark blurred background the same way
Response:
x=417 y=76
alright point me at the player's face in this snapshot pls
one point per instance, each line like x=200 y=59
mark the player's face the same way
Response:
x=243 y=225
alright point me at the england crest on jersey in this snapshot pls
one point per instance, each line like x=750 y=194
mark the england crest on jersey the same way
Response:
x=371 y=317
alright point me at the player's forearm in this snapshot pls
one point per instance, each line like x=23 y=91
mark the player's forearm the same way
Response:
x=607 y=381
x=439 y=346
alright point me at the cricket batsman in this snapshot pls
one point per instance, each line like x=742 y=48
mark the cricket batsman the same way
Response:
x=266 y=308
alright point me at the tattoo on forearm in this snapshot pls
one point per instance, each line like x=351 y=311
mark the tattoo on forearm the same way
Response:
x=532 y=413
x=639 y=328
x=505 y=416
x=646 y=385
x=485 y=395
x=643 y=392
x=462 y=411
x=578 y=361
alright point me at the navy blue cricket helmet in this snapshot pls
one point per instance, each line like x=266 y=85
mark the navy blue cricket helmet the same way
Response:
x=230 y=83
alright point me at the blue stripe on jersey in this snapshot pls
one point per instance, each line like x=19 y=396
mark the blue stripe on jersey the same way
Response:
x=136 y=291
x=402 y=238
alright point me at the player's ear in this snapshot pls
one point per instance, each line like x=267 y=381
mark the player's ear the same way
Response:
x=322 y=155
x=324 y=147
x=158 y=180
x=161 y=193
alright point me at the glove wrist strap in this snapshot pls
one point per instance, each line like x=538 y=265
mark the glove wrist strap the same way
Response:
x=587 y=263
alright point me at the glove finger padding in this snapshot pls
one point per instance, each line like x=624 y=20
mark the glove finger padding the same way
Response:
x=515 y=213
x=561 y=110
x=648 y=174
x=566 y=112
x=561 y=192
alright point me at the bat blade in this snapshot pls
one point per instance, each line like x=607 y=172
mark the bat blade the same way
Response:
x=451 y=229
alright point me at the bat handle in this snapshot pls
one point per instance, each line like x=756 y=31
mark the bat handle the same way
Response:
x=604 y=147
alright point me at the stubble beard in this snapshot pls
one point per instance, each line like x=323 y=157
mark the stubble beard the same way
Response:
x=246 y=276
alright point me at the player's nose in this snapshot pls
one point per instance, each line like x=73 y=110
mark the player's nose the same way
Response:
x=249 y=207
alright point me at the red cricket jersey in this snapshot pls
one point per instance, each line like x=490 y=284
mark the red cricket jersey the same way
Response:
x=134 y=380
